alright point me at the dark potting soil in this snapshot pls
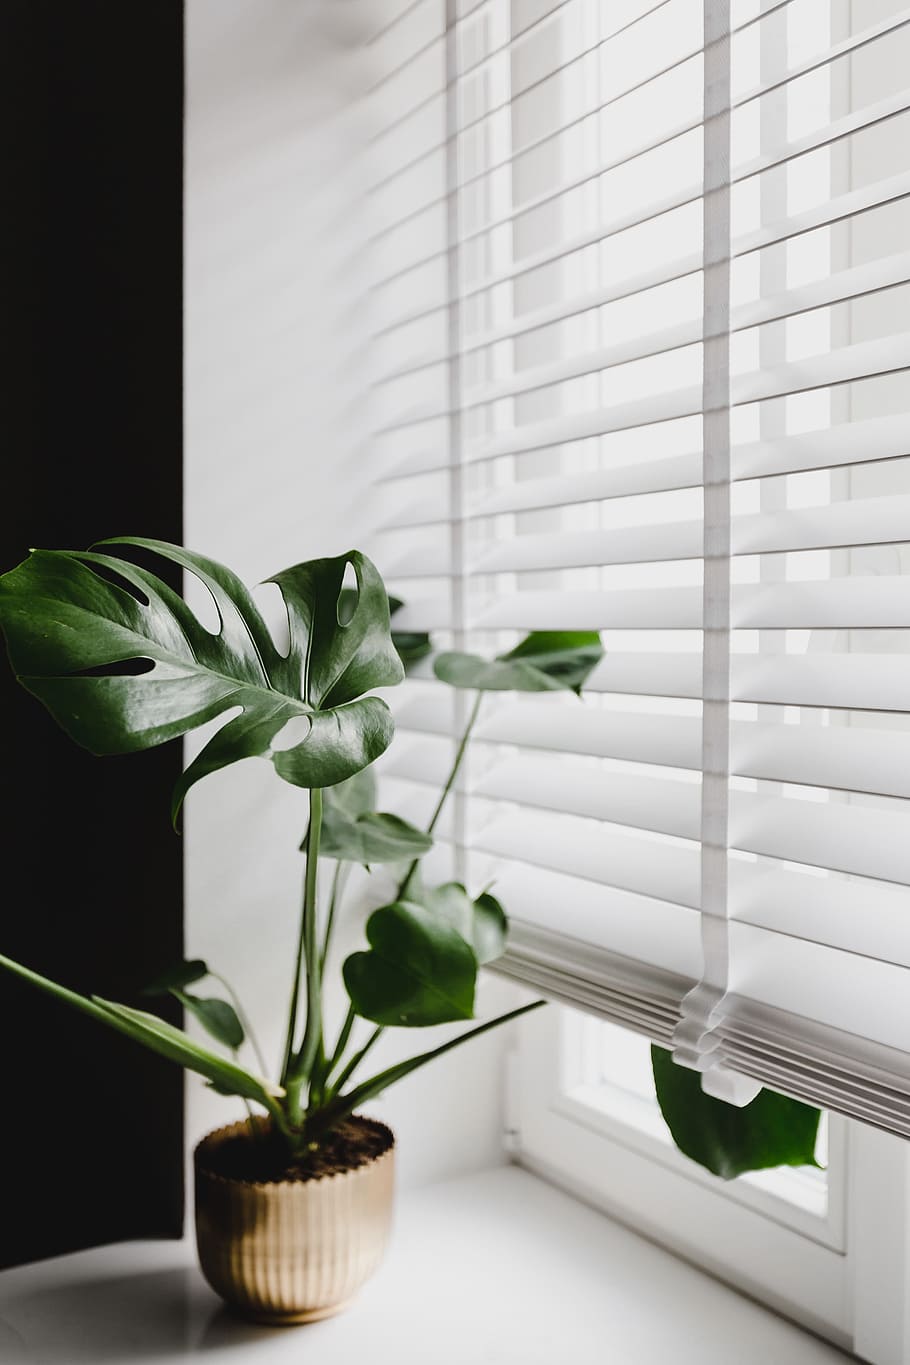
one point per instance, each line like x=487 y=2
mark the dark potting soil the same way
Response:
x=261 y=1160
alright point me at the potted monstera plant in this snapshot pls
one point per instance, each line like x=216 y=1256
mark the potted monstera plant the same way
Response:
x=293 y=1202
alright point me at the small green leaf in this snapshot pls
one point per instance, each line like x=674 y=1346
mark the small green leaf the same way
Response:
x=491 y=928
x=217 y=1017
x=545 y=661
x=348 y=799
x=371 y=838
x=179 y=1047
x=770 y=1131
x=412 y=645
x=481 y=922
x=565 y=656
x=218 y=1088
x=418 y=971
x=355 y=796
x=160 y=1037
x=176 y=977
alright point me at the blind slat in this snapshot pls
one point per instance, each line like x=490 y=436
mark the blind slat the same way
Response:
x=874 y=601
x=845 y=365
x=836 y=131
x=871 y=521
x=836 y=756
x=852 y=443
x=652 y=932
x=823 y=909
x=837 y=288
x=876 y=438
x=646 y=476
x=835 y=209
x=839 y=681
x=622 y=862
x=819 y=910
x=846 y=838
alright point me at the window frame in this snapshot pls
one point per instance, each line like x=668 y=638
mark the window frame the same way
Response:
x=846 y=1278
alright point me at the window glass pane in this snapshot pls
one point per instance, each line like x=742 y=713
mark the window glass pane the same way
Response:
x=611 y=1071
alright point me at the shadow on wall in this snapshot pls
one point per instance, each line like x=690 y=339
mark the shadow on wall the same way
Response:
x=245 y=39
x=275 y=279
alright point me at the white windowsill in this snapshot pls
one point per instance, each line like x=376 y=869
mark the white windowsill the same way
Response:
x=490 y=1269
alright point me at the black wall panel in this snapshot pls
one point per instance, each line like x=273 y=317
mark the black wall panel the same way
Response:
x=90 y=433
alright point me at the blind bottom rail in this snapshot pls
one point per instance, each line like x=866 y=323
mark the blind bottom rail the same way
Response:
x=799 y=1057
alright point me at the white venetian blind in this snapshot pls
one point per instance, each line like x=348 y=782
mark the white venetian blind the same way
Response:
x=640 y=363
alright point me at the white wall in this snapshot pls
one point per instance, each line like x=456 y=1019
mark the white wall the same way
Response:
x=274 y=413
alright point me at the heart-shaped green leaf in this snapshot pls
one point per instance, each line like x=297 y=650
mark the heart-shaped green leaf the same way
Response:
x=770 y=1131
x=418 y=970
x=545 y=661
x=412 y=645
x=481 y=922
x=76 y=639
x=176 y=977
x=371 y=838
x=490 y=928
x=217 y=1017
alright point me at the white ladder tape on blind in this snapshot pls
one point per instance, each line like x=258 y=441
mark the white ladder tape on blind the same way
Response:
x=694 y=1043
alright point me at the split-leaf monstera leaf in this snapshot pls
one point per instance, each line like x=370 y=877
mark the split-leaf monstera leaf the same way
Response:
x=78 y=624
x=544 y=661
x=218 y=1017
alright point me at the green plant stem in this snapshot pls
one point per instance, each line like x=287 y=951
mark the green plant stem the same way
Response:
x=159 y=1037
x=244 y=1020
x=330 y=917
x=295 y=1000
x=343 y=1039
x=302 y=1064
x=256 y=1132
x=340 y=1106
x=355 y=1061
x=450 y=782
x=324 y=1066
x=295 y=1069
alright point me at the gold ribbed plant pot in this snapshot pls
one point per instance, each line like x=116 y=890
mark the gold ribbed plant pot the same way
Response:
x=291 y=1251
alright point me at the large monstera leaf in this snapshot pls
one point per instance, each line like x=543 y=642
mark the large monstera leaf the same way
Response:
x=79 y=624
x=544 y=661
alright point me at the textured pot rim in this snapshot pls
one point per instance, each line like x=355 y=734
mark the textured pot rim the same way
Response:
x=219 y=1134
